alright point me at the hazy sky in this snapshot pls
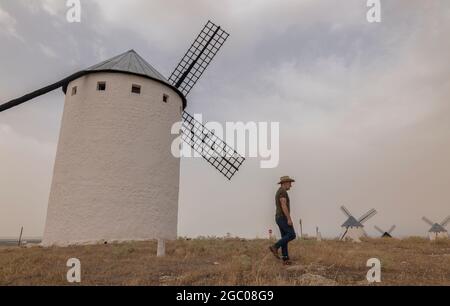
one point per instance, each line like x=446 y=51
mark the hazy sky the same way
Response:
x=363 y=108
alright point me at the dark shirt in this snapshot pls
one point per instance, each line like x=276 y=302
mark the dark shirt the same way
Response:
x=281 y=193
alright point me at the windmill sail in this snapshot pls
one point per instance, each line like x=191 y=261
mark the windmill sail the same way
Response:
x=391 y=229
x=379 y=229
x=428 y=221
x=39 y=92
x=346 y=212
x=187 y=73
x=214 y=150
x=198 y=57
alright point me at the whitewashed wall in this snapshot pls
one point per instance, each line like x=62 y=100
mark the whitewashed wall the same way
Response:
x=115 y=178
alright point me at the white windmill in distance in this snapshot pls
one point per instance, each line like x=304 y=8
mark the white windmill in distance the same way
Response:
x=353 y=229
x=437 y=230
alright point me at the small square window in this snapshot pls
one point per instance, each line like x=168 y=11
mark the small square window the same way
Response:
x=136 y=89
x=101 y=86
x=165 y=98
x=74 y=91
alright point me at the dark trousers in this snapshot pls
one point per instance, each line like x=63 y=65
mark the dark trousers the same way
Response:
x=287 y=235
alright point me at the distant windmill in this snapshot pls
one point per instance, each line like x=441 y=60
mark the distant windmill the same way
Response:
x=437 y=230
x=353 y=229
x=386 y=234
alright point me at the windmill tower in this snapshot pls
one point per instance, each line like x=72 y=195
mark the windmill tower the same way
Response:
x=115 y=177
x=437 y=230
x=386 y=234
x=353 y=229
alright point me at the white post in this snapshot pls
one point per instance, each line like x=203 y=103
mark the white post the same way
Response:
x=161 y=248
x=20 y=237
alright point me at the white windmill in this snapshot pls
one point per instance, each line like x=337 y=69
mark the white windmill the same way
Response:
x=353 y=229
x=115 y=177
x=437 y=230
x=386 y=234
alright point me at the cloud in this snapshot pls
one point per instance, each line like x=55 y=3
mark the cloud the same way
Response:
x=171 y=25
x=54 y=8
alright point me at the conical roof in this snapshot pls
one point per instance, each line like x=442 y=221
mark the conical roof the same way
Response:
x=129 y=62
x=352 y=222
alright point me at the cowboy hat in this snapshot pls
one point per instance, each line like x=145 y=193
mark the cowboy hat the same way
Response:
x=286 y=179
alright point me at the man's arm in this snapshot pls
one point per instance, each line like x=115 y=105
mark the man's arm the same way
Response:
x=286 y=212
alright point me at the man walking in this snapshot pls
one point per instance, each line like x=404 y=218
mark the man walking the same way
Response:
x=284 y=220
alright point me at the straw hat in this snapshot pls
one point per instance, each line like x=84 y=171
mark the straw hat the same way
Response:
x=286 y=179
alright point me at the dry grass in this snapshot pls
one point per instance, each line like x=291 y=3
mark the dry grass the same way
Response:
x=412 y=261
